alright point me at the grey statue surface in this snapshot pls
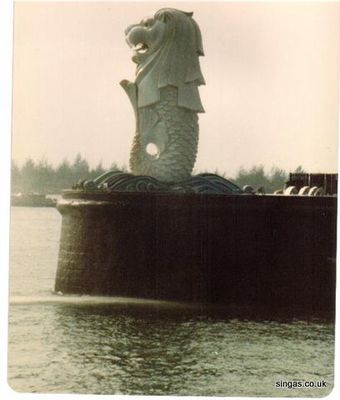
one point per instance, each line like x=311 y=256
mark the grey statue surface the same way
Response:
x=165 y=97
x=166 y=102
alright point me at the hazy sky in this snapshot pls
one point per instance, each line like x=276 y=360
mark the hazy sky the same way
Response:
x=271 y=71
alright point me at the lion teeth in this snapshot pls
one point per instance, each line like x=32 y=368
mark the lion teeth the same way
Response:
x=141 y=48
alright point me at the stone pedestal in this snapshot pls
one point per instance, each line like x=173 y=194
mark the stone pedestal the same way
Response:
x=271 y=252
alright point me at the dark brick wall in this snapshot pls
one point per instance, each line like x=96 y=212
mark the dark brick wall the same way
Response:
x=274 y=252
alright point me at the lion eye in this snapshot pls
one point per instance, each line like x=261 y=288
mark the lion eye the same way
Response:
x=148 y=22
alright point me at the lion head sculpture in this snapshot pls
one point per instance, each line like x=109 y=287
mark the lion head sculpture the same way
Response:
x=166 y=49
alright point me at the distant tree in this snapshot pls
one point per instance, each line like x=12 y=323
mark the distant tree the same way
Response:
x=28 y=176
x=99 y=170
x=15 y=177
x=44 y=178
x=63 y=175
x=299 y=170
x=114 y=166
x=278 y=177
x=80 y=168
x=257 y=178
x=15 y=171
x=64 y=169
x=217 y=172
x=254 y=177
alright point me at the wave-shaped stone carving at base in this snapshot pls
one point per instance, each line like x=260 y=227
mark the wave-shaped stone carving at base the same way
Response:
x=117 y=181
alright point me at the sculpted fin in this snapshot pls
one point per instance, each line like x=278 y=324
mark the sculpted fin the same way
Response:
x=131 y=90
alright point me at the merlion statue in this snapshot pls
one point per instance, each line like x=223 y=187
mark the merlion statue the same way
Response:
x=166 y=101
x=165 y=94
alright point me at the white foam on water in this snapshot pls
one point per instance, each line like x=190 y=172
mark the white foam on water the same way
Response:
x=100 y=300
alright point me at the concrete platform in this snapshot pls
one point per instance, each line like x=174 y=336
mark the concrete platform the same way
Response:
x=262 y=252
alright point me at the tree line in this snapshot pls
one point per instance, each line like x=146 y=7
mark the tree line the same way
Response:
x=42 y=177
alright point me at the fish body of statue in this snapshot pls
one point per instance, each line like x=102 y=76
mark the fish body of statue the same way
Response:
x=165 y=94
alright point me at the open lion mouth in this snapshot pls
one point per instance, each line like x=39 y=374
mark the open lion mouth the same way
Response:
x=141 y=48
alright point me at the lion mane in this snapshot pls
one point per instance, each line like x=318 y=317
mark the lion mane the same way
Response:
x=174 y=63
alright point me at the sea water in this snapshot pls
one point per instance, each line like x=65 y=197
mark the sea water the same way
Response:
x=101 y=345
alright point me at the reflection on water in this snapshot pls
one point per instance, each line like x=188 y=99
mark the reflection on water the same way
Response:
x=108 y=346
x=96 y=349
